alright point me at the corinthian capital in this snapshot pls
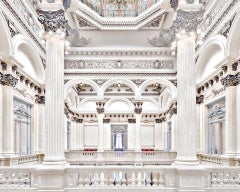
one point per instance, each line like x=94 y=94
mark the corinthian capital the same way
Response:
x=8 y=80
x=188 y=20
x=52 y=20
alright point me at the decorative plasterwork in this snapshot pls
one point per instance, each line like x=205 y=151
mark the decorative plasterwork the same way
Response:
x=214 y=18
x=138 y=107
x=76 y=40
x=199 y=99
x=111 y=64
x=8 y=80
x=66 y=4
x=136 y=53
x=228 y=81
x=12 y=28
x=186 y=20
x=52 y=20
x=174 y=4
x=32 y=33
x=134 y=23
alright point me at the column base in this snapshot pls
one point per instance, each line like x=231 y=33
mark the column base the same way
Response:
x=191 y=179
x=50 y=177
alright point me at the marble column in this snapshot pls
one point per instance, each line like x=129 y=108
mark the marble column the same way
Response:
x=174 y=139
x=39 y=123
x=138 y=115
x=73 y=133
x=7 y=133
x=107 y=134
x=228 y=80
x=79 y=134
x=100 y=116
x=53 y=19
x=186 y=87
x=158 y=134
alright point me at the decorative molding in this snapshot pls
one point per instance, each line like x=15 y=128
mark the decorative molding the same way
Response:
x=100 y=107
x=237 y=79
x=199 y=99
x=158 y=121
x=121 y=74
x=40 y=99
x=52 y=20
x=100 y=110
x=32 y=31
x=165 y=38
x=138 y=107
x=12 y=28
x=117 y=64
x=8 y=80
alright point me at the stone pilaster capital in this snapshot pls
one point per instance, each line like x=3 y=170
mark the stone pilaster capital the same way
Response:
x=106 y=120
x=100 y=107
x=40 y=99
x=138 y=106
x=79 y=120
x=8 y=80
x=131 y=120
x=229 y=80
x=187 y=20
x=237 y=78
x=52 y=21
x=199 y=99
x=4 y=65
x=158 y=121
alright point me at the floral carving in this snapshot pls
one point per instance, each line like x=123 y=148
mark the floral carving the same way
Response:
x=8 y=80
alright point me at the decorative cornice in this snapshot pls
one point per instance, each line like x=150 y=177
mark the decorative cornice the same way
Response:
x=52 y=20
x=229 y=80
x=199 y=99
x=40 y=99
x=8 y=80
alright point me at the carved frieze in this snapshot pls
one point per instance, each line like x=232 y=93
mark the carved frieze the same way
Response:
x=52 y=20
x=8 y=80
x=111 y=64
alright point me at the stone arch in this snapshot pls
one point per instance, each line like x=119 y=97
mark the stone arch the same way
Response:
x=165 y=82
x=114 y=81
x=6 y=40
x=69 y=84
x=126 y=101
x=212 y=52
x=233 y=46
x=25 y=52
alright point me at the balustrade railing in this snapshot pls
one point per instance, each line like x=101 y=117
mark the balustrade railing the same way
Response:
x=12 y=177
x=217 y=160
x=78 y=157
x=22 y=160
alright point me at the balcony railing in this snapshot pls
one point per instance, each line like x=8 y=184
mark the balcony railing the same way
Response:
x=119 y=178
x=22 y=160
x=79 y=157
